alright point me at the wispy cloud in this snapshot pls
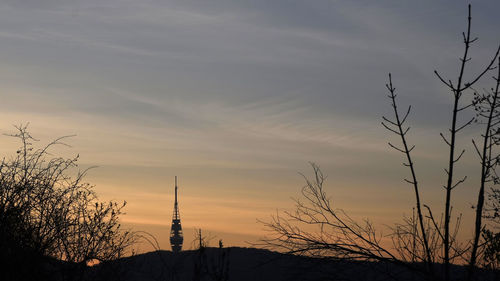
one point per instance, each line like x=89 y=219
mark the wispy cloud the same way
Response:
x=218 y=90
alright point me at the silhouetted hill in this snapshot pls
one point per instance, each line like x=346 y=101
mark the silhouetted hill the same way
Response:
x=250 y=264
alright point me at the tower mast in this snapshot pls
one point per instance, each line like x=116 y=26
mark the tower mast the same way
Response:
x=176 y=237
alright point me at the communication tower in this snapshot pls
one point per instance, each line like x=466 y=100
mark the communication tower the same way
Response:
x=176 y=237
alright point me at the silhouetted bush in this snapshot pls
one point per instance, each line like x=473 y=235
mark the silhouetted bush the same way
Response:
x=51 y=223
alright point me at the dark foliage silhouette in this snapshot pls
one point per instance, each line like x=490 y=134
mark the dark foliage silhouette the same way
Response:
x=491 y=235
x=210 y=265
x=52 y=225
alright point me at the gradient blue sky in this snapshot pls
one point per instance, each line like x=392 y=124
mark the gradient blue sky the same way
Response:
x=235 y=97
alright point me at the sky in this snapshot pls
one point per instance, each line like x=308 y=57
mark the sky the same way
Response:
x=236 y=98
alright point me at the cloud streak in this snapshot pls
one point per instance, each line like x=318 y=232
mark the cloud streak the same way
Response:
x=238 y=92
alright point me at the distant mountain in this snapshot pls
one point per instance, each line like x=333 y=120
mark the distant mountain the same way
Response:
x=250 y=264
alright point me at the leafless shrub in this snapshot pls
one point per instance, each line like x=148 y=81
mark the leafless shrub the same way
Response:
x=422 y=240
x=46 y=213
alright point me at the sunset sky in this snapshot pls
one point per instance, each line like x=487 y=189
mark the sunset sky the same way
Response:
x=237 y=97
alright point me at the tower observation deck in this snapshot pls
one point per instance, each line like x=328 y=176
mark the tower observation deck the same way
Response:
x=176 y=237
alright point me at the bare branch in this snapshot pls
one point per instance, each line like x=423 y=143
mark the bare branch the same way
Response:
x=444 y=139
x=449 y=84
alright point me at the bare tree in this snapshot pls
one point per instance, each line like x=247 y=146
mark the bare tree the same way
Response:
x=49 y=215
x=487 y=107
x=421 y=238
x=334 y=234
x=210 y=263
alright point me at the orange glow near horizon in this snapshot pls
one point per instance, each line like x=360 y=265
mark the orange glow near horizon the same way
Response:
x=226 y=200
x=238 y=99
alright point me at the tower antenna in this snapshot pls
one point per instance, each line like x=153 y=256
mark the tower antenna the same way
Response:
x=176 y=237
